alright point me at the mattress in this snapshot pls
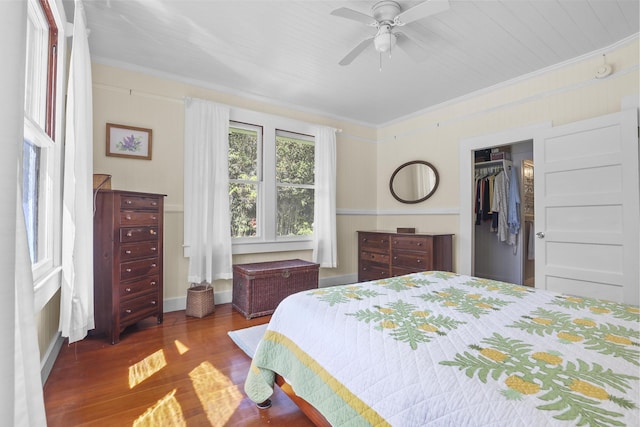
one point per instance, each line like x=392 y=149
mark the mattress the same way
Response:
x=442 y=349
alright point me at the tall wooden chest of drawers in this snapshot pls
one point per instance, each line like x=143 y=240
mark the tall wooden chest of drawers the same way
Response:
x=386 y=254
x=127 y=257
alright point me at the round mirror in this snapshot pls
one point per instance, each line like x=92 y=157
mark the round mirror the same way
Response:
x=414 y=181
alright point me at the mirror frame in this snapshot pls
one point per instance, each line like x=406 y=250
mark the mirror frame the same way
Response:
x=413 y=162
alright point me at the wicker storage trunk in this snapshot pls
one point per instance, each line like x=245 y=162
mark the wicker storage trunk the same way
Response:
x=259 y=287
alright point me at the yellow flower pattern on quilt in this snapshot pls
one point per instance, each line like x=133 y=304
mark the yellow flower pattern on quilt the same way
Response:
x=593 y=335
x=573 y=388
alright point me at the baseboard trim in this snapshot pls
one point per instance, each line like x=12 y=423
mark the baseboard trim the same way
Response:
x=46 y=364
x=225 y=297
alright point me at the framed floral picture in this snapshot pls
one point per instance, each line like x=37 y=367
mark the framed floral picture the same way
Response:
x=128 y=141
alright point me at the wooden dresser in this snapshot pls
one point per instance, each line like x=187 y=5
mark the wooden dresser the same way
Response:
x=127 y=256
x=386 y=254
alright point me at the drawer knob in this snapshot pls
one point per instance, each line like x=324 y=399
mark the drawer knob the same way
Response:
x=365 y=240
x=419 y=261
x=128 y=270
x=129 y=233
x=128 y=311
x=286 y=274
x=154 y=249
x=153 y=283
x=127 y=217
x=152 y=232
x=154 y=203
x=154 y=265
x=154 y=217
x=128 y=202
x=128 y=289
x=153 y=303
x=128 y=252
x=419 y=243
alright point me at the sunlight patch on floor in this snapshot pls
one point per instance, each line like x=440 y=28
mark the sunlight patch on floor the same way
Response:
x=146 y=367
x=182 y=349
x=166 y=412
x=219 y=402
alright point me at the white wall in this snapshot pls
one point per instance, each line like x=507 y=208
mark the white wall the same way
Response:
x=366 y=157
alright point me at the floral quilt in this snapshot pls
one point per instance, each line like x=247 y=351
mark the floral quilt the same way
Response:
x=442 y=349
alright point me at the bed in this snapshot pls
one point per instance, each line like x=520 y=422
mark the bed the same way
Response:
x=442 y=349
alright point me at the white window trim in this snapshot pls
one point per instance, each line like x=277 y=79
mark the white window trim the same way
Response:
x=268 y=242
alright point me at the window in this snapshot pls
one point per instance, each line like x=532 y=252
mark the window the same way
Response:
x=245 y=142
x=41 y=180
x=271 y=185
x=294 y=181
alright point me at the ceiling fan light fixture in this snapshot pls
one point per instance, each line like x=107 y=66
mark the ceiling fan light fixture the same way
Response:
x=385 y=39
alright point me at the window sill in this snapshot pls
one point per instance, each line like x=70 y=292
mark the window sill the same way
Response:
x=46 y=287
x=264 y=247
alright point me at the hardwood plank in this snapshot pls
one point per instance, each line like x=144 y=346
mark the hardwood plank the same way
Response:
x=188 y=372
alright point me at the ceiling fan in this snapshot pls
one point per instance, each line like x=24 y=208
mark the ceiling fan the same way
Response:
x=387 y=15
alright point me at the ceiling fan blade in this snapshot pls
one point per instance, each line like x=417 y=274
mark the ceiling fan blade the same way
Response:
x=354 y=15
x=411 y=47
x=422 y=10
x=355 y=51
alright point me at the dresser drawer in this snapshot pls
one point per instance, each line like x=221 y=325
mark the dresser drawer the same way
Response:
x=138 y=234
x=374 y=257
x=416 y=261
x=138 y=308
x=374 y=242
x=371 y=271
x=128 y=218
x=411 y=243
x=139 y=202
x=137 y=288
x=131 y=251
x=144 y=267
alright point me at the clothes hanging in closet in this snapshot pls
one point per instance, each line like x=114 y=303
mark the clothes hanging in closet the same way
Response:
x=497 y=198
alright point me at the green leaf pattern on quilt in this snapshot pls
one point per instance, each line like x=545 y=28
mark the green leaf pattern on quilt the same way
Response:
x=340 y=294
x=402 y=283
x=500 y=287
x=406 y=322
x=574 y=388
x=465 y=302
x=601 y=337
x=595 y=306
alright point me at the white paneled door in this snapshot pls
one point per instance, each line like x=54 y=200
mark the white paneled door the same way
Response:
x=587 y=208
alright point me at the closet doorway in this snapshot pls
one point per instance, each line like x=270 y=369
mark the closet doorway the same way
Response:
x=503 y=249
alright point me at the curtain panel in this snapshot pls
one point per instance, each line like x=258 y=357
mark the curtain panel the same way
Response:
x=324 y=228
x=207 y=224
x=76 y=305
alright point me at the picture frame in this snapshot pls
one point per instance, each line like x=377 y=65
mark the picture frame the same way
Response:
x=129 y=141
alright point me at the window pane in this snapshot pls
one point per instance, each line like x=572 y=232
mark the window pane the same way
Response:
x=294 y=159
x=30 y=195
x=243 y=154
x=35 y=100
x=295 y=211
x=243 y=203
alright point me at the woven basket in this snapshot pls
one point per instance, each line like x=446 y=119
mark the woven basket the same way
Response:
x=200 y=301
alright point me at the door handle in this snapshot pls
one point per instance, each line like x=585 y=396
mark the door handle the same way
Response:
x=540 y=235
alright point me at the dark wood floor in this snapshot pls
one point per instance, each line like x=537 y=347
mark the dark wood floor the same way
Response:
x=186 y=371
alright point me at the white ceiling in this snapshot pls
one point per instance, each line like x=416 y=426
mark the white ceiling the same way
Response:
x=287 y=52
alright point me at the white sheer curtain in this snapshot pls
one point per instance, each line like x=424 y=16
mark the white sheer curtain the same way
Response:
x=207 y=224
x=76 y=305
x=21 y=399
x=324 y=225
